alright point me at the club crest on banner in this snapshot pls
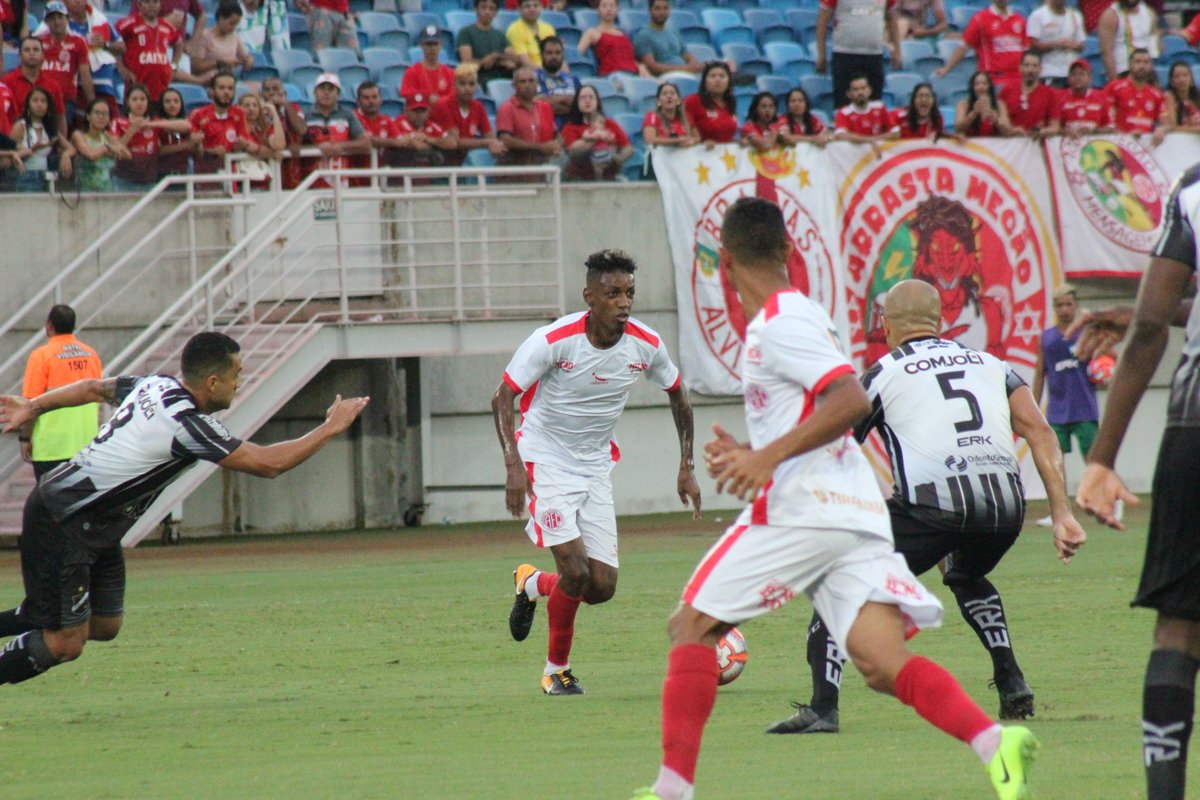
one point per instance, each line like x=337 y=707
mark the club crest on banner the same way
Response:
x=1118 y=186
x=961 y=220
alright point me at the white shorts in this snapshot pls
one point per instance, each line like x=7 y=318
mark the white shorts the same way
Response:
x=566 y=506
x=753 y=569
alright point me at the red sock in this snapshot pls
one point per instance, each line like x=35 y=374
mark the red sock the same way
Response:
x=560 y=616
x=546 y=581
x=937 y=696
x=689 y=692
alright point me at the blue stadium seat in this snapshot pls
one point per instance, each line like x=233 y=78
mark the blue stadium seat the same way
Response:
x=747 y=58
x=351 y=77
x=489 y=105
x=615 y=104
x=683 y=18
x=946 y=87
x=631 y=124
x=768 y=25
x=391 y=78
x=696 y=34
x=795 y=70
x=636 y=89
x=687 y=84
x=441 y=7
x=335 y=58
x=500 y=90
x=394 y=40
x=718 y=19
x=961 y=15
x=504 y=19
x=570 y=36
x=777 y=85
x=948 y=117
x=457 y=20
x=633 y=20
x=297 y=23
x=294 y=93
x=702 y=52
x=1091 y=46
x=586 y=18
x=415 y=21
x=604 y=86
x=580 y=66
x=375 y=24
x=192 y=94
x=12 y=60
x=377 y=59
x=480 y=157
x=913 y=49
x=802 y=20
x=288 y=60
x=259 y=73
x=391 y=108
x=305 y=78
x=736 y=34
x=556 y=18
x=780 y=53
x=901 y=84
x=819 y=89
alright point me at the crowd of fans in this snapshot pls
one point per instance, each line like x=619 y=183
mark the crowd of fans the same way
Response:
x=115 y=103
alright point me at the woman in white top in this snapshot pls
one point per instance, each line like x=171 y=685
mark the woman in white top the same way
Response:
x=41 y=147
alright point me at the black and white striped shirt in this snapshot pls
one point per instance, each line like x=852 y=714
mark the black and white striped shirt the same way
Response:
x=1178 y=243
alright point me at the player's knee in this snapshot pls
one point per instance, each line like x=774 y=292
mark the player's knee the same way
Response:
x=874 y=675
x=599 y=593
x=574 y=575
x=65 y=645
x=104 y=628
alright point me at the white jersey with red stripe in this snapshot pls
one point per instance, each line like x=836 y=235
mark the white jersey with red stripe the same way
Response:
x=572 y=392
x=792 y=355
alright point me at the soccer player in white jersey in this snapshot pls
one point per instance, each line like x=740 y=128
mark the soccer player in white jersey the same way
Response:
x=1170 y=582
x=71 y=556
x=947 y=415
x=816 y=524
x=573 y=377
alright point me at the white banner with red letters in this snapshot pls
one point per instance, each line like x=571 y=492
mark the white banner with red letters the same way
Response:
x=1111 y=191
x=698 y=184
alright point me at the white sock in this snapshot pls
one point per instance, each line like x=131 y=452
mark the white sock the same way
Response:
x=553 y=668
x=987 y=743
x=531 y=586
x=672 y=786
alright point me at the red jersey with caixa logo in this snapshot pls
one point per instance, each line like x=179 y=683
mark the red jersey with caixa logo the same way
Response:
x=148 y=51
x=999 y=40
x=791 y=356
x=572 y=393
x=61 y=61
x=220 y=130
x=1136 y=109
x=871 y=120
x=1084 y=113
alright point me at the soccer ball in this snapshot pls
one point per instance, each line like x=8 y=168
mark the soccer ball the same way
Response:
x=1100 y=369
x=731 y=656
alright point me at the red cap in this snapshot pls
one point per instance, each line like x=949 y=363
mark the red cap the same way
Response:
x=416 y=101
x=1082 y=62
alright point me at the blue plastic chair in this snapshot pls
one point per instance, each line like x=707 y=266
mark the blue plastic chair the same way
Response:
x=288 y=60
x=375 y=24
x=718 y=19
x=500 y=90
x=333 y=59
x=377 y=59
x=632 y=20
x=901 y=84
x=457 y=20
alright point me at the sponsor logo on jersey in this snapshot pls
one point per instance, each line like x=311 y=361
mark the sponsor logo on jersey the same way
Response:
x=552 y=519
x=775 y=594
x=1118 y=186
x=756 y=397
x=956 y=462
x=152 y=57
x=565 y=365
x=597 y=380
x=899 y=587
x=639 y=366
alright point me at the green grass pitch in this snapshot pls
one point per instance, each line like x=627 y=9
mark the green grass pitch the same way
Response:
x=379 y=665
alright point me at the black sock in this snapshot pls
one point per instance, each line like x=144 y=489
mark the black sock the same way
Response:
x=980 y=605
x=25 y=657
x=1168 y=702
x=825 y=661
x=13 y=622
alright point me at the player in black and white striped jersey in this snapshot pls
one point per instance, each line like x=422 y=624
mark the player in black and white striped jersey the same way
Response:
x=947 y=415
x=71 y=558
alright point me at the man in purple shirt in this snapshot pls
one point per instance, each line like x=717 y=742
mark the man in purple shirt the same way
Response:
x=1071 y=409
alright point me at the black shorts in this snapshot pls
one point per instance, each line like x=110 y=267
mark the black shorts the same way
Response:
x=1171 y=572
x=924 y=541
x=65 y=580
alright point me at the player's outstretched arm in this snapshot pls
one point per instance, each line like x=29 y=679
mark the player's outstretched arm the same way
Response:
x=1103 y=328
x=1158 y=305
x=742 y=472
x=685 y=483
x=1028 y=423
x=516 y=481
x=269 y=461
x=17 y=412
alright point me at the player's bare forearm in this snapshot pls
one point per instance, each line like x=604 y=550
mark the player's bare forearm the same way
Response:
x=1162 y=288
x=685 y=483
x=516 y=480
x=270 y=461
x=17 y=412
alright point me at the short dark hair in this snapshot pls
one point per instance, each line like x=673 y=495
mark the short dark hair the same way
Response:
x=207 y=353
x=493 y=2
x=224 y=73
x=550 y=40
x=604 y=261
x=62 y=318
x=1034 y=53
x=754 y=232
x=365 y=85
x=226 y=10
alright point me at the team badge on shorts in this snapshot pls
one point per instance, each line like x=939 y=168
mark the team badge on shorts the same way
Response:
x=552 y=519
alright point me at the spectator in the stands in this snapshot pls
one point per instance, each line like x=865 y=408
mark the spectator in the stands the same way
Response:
x=1191 y=31
x=659 y=47
x=525 y=124
x=262 y=121
x=333 y=130
x=667 y=125
x=1057 y=33
x=221 y=126
x=97 y=150
x=1126 y=27
x=9 y=110
x=611 y=46
x=21 y=79
x=712 y=110
x=921 y=118
x=175 y=147
x=1082 y=109
x=139 y=132
x=981 y=112
x=153 y=50
x=65 y=58
x=414 y=140
x=1031 y=104
x=466 y=117
x=14 y=24
x=596 y=146
x=998 y=36
x=41 y=145
x=858 y=36
x=761 y=129
x=526 y=33
x=555 y=85
x=294 y=129
x=798 y=124
x=175 y=14
x=1137 y=102
x=429 y=79
x=262 y=19
x=1181 y=100
x=368 y=105
x=220 y=47
x=330 y=24
x=104 y=47
x=483 y=45
x=862 y=119
x=913 y=18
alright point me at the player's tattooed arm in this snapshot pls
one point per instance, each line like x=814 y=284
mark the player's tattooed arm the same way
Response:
x=685 y=484
x=18 y=412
